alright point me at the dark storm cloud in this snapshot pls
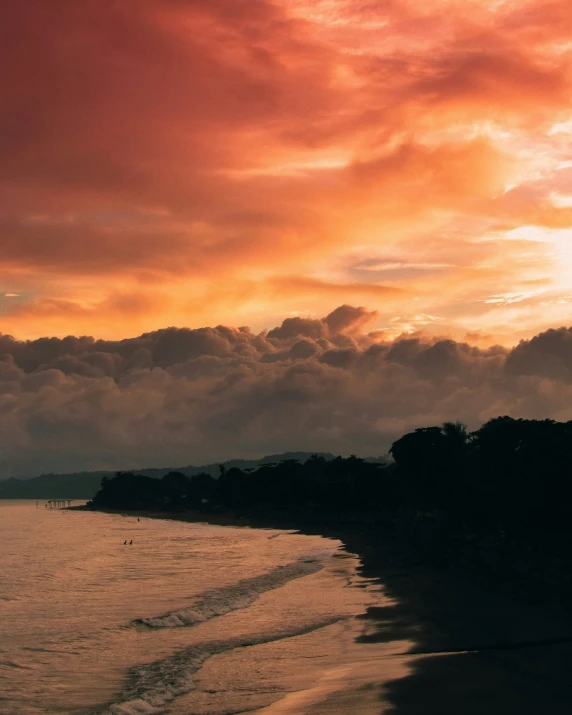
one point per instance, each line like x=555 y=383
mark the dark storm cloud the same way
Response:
x=548 y=354
x=179 y=396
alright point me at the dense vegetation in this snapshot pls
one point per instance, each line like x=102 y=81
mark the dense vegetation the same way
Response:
x=496 y=503
x=83 y=485
x=508 y=475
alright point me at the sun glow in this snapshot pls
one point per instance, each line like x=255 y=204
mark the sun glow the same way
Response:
x=228 y=165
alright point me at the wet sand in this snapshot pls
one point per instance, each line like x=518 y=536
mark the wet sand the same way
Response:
x=475 y=648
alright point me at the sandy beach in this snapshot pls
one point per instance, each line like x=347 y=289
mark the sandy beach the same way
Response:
x=471 y=648
x=476 y=651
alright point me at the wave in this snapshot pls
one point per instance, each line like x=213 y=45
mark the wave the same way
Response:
x=155 y=685
x=5 y=663
x=241 y=594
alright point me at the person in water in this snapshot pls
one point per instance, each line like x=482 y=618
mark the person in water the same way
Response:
x=124 y=542
x=130 y=542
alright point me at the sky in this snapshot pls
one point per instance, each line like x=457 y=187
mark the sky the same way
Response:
x=193 y=163
x=189 y=163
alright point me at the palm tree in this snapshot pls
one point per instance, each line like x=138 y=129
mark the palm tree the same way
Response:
x=456 y=434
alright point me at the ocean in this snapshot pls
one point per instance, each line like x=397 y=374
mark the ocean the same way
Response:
x=188 y=619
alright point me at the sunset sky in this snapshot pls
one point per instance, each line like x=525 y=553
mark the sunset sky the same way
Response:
x=190 y=163
x=381 y=190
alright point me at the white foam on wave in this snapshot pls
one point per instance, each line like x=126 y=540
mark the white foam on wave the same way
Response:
x=241 y=594
x=157 y=684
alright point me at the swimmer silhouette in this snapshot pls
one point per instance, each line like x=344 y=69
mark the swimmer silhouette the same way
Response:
x=124 y=542
x=130 y=542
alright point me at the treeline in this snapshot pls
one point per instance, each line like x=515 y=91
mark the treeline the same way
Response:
x=316 y=485
x=508 y=475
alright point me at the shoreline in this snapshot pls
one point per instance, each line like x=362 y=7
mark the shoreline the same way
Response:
x=327 y=531
x=437 y=595
x=479 y=565
x=476 y=648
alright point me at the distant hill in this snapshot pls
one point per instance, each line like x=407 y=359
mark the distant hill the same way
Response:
x=84 y=485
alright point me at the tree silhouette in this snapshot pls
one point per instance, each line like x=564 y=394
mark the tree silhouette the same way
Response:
x=511 y=476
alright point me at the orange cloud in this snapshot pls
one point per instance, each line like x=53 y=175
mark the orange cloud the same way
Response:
x=190 y=162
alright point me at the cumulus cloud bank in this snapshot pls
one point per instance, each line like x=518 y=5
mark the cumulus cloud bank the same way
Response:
x=180 y=396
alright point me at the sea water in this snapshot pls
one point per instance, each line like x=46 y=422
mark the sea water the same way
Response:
x=189 y=618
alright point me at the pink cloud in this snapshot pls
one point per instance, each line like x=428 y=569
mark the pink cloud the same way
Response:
x=203 y=154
